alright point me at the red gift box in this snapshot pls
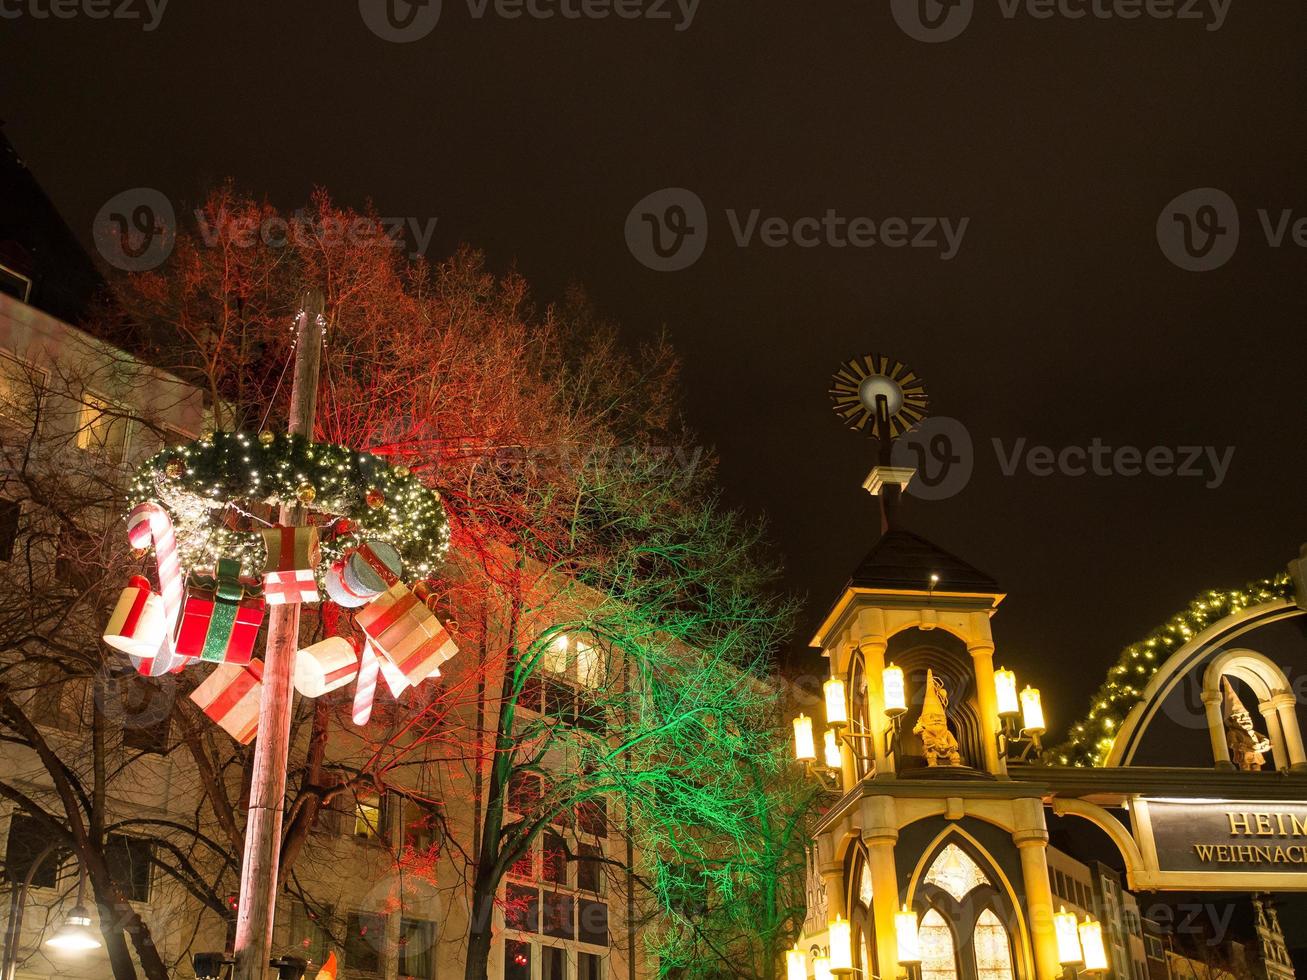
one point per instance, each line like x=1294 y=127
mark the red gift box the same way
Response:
x=407 y=633
x=230 y=697
x=220 y=619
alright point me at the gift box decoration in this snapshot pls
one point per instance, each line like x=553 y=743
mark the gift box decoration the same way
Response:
x=372 y=568
x=230 y=697
x=325 y=666
x=337 y=591
x=407 y=633
x=221 y=616
x=293 y=554
x=138 y=625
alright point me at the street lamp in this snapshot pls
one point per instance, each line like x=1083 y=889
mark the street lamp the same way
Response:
x=75 y=933
x=1091 y=944
x=906 y=937
x=1024 y=709
x=1068 y=938
x=841 y=945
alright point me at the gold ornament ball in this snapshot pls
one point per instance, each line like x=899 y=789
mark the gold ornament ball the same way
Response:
x=174 y=469
x=401 y=471
x=306 y=493
x=266 y=438
x=374 y=497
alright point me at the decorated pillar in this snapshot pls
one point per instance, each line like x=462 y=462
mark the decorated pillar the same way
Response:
x=1284 y=703
x=1275 y=733
x=872 y=643
x=880 y=833
x=1031 y=838
x=1216 y=729
x=981 y=647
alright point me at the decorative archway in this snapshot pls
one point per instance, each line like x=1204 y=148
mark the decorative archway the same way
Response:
x=1275 y=703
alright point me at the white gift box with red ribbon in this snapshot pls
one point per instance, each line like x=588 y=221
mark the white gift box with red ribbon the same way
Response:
x=293 y=554
x=230 y=696
x=407 y=633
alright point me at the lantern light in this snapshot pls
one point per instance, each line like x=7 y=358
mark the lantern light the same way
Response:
x=894 y=692
x=1005 y=687
x=75 y=933
x=836 y=711
x=1032 y=711
x=796 y=964
x=841 y=945
x=804 y=750
x=906 y=936
x=1091 y=944
x=1068 y=938
x=821 y=968
x=832 y=751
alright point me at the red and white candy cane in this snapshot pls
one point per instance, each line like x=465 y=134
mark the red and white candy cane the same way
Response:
x=149 y=524
x=366 y=690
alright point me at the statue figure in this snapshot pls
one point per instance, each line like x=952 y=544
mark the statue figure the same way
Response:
x=1245 y=742
x=932 y=726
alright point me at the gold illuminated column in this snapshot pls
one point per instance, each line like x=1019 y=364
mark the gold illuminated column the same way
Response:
x=981 y=648
x=1212 y=701
x=880 y=833
x=873 y=658
x=1284 y=703
x=1031 y=838
x=1274 y=732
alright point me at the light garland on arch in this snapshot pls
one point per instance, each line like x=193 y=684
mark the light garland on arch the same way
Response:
x=1090 y=740
x=368 y=498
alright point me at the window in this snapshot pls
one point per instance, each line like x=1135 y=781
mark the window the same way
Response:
x=589 y=666
x=28 y=837
x=553 y=963
x=992 y=950
x=953 y=871
x=15 y=283
x=555 y=863
x=308 y=935
x=129 y=861
x=20 y=386
x=75 y=561
x=102 y=429
x=10 y=511
x=592 y=923
x=421 y=824
x=938 y=959
x=589 y=869
x=417 y=941
x=365 y=935
x=592 y=816
x=517 y=960
x=524 y=792
x=559 y=915
x=367 y=818
x=864 y=885
x=522 y=908
x=589 y=967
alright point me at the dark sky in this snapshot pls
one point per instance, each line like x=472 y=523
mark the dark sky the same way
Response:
x=1059 y=319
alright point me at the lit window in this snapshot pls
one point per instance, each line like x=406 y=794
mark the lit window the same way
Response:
x=955 y=872
x=102 y=429
x=993 y=952
x=938 y=958
x=864 y=885
x=556 y=657
x=589 y=666
x=367 y=818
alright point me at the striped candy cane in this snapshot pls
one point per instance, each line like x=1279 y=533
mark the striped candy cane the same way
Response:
x=366 y=691
x=149 y=524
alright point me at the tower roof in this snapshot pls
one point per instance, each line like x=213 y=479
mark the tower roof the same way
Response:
x=903 y=560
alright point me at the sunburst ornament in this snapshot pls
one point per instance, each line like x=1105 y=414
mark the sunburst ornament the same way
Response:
x=874 y=387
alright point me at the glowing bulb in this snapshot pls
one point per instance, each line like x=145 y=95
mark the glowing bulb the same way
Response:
x=821 y=968
x=906 y=936
x=796 y=964
x=1091 y=944
x=1068 y=938
x=1005 y=687
x=832 y=751
x=894 y=691
x=841 y=946
x=1032 y=712
x=836 y=712
x=804 y=750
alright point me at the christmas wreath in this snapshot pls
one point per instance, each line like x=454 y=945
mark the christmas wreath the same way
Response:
x=224 y=486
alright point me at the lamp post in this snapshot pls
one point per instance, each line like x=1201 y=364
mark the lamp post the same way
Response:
x=74 y=934
x=1021 y=717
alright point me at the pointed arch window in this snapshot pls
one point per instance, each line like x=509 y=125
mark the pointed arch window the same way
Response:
x=864 y=885
x=992 y=949
x=956 y=873
x=939 y=959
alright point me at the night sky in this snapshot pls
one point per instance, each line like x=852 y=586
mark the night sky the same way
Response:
x=1058 y=320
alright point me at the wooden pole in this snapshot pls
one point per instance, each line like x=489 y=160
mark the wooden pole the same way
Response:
x=258 y=895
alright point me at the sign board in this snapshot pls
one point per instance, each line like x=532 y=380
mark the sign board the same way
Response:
x=1215 y=844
